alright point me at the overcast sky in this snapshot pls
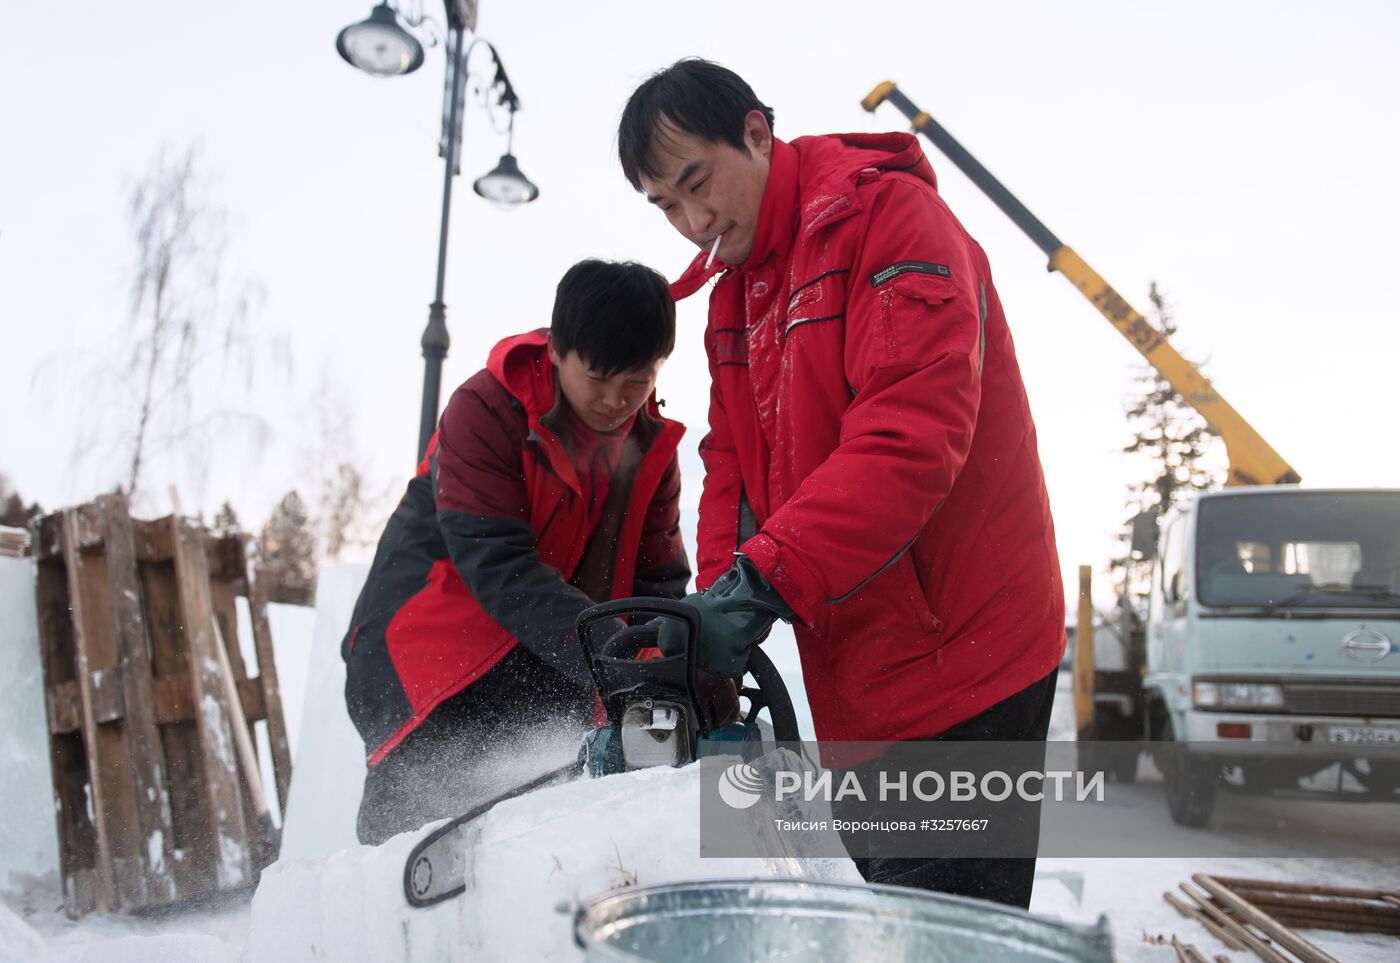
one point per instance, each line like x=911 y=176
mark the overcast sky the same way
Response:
x=1241 y=154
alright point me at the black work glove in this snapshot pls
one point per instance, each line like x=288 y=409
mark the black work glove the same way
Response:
x=735 y=613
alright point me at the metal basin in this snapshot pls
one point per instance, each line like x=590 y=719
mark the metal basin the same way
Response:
x=791 y=919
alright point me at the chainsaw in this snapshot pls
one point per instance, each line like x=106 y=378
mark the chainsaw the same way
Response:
x=661 y=711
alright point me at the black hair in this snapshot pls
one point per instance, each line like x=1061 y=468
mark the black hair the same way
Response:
x=618 y=315
x=692 y=95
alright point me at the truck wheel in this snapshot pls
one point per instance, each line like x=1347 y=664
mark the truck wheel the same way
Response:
x=1117 y=760
x=1190 y=783
x=1117 y=755
x=1123 y=763
x=1382 y=778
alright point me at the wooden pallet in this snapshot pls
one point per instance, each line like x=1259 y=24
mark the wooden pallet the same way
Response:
x=152 y=805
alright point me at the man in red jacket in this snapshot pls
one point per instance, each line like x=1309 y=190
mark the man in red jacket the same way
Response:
x=552 y=483
x=871 y=464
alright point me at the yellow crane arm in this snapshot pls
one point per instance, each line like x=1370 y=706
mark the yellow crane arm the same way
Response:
x=1253 y=461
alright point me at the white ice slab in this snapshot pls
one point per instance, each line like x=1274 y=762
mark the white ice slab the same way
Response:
x=28 y=837
x=532 y=855
x=328 y=771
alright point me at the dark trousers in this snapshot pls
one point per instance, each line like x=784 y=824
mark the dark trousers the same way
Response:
x=1023 y=717
x=471 y=746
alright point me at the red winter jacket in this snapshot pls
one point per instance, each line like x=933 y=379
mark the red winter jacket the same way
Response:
x=490 y=547
x=871 y=447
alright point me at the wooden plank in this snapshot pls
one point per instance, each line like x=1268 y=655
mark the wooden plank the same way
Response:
x=146 y=763
x=1219 y=932
x=77 y=836
x=194 y=863
x=91 y=525
x=48 y=539
x=108 y=699
x=169 y=702
x=225 y=554
x=170 y=698
x=212 y=720
x=154 y=540
x=65 y=708
x=1295 y=944
x=1261 y=949
x=116 y=749
x=271 y=691
x=105 y=890
x=222 y=592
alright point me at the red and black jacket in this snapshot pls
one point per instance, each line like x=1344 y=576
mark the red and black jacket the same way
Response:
x=490 y=547
x=871 y=447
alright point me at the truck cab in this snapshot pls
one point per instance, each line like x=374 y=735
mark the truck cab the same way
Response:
x=1272 y=644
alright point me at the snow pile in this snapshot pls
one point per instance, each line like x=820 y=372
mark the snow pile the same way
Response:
x=28 y=833
x=528 y=858
x=18 y=940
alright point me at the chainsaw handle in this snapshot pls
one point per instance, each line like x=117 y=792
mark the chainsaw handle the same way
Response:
x=628 y=641
x=623 y=608
x=772 y=693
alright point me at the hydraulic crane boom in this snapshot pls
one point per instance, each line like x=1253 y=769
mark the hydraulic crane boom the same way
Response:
x=1252 y=460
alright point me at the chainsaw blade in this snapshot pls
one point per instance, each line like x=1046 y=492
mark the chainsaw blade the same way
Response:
x=436 y=869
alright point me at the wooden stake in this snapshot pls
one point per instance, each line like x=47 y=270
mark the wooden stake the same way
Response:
x=1261 y=949
x=243 y=741
x=1310 y=889
x=272 y=694
x=1218 y=931
x=1304 y=950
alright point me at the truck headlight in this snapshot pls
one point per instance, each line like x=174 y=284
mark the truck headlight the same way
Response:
x=1237 y=695
x=1250 y=695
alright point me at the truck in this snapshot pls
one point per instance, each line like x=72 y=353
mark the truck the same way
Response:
x=1268 y=653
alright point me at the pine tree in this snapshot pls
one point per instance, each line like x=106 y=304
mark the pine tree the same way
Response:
x=286 y=553
x=1173 y=437
x=13 y=513
x=226 y=520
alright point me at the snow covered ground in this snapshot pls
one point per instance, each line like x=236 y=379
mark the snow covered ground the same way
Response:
x=328 y=898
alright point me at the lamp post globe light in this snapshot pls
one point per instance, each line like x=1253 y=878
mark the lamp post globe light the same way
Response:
x=380 y=46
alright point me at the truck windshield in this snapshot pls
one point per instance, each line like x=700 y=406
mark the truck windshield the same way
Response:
x=1303 y=549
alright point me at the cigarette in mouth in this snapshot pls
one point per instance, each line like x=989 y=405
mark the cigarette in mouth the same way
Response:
x=713 y=248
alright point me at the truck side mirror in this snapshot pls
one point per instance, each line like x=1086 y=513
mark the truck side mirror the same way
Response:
x=1176 y=590
x=1145 y=534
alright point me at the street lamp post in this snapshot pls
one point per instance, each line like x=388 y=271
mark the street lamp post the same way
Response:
x=379 y=46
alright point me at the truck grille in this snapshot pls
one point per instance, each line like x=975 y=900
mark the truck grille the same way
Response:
x=1342 y=699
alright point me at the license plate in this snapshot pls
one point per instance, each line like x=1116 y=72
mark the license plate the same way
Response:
x=1365 y=735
